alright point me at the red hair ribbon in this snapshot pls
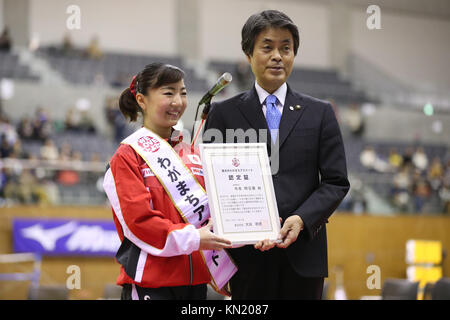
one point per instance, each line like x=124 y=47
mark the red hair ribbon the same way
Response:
x=132 y=86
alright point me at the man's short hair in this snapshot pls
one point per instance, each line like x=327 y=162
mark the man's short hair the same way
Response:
x=266 y=19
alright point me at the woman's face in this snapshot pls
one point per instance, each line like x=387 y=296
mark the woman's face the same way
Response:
x=164 y=106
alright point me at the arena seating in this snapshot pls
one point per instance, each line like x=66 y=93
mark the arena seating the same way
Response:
x=11 y=68
x=323 y=84
x=114 y=68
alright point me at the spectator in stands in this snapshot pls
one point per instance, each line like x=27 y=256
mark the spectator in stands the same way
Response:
x=354 y=120
x=48 y=192
x=407 y=156
x=447 y=173
x=8 y=137
x=435 y=174
x=18 y=152
x=5 y=40
x=401 y=188
x=93 y=176
x=67 y=45
x=368 y=157
x=115 y=118
x=72 y=120
x=68 y=177
x=444 y=195
x=395 y=159
x=3 y=181
x=65 y=152
x=420 y=159
x=7 y=129
x=5 y=147
x=42 y=115
x=421 y=191
x=95 y=157
x=77 y=156
x=25 y=129
x=41 y=125
x=86 y=122
x=93 y=51
x=22 y=188
x=10 y=180
x=49 y=151
x=358 y=203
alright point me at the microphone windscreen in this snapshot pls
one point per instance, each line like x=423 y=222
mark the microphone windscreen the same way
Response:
x=226 y=77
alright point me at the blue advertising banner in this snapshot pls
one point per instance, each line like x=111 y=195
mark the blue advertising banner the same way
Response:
x=65 y=237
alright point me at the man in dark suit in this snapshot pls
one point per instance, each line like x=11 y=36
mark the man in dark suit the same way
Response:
x=307 y=159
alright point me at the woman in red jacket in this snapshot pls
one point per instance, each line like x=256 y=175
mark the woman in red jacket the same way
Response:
x=156 y=189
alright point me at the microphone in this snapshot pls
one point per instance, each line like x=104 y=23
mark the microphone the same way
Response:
x=223 y=81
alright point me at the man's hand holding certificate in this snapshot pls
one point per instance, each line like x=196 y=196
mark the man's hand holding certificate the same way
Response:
x=288 y=234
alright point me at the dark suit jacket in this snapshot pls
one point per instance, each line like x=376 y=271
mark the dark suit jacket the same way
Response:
x=312 y=177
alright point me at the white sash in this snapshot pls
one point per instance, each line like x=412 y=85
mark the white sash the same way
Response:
x=186 y=193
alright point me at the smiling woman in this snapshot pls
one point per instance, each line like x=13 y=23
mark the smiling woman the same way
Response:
x=156 y=189
x=159 y=94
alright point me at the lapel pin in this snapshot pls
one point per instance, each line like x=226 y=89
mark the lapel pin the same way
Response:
x=297 y=107
x=291 y=108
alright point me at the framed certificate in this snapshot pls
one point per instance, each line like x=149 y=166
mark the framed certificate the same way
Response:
x=240 y=191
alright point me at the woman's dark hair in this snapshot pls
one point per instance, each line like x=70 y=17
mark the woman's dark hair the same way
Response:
x=266 y=19
x=154 y=75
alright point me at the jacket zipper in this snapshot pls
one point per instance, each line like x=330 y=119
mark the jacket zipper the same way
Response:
x=190 y=270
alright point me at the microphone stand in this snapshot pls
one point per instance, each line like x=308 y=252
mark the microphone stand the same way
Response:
x=204 y=116
x=223 y=81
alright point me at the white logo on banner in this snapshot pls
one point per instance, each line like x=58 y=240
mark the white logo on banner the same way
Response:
x=82 y=238
x=48 y=237
x=93 y=238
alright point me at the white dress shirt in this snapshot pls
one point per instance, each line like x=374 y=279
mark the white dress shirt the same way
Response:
x=280 y=93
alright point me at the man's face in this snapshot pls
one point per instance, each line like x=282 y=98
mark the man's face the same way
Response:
x=272 y=58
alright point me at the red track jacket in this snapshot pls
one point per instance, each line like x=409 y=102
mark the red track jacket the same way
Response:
x=161 y=250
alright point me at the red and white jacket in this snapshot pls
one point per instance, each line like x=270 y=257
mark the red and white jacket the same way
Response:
x=160 y=249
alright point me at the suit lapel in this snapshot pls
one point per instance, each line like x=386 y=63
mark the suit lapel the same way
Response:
x=252 y=111
x=290 y=117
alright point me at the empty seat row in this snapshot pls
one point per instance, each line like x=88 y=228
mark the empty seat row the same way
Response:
x=11 y=68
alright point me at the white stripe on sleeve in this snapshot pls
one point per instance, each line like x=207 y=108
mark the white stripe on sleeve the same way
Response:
x=140 y=266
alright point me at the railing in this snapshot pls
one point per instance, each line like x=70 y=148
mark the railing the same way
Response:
x=378 y=191
x=52 y=182
x=86 y=166
x=16 y=259
x=374 y=188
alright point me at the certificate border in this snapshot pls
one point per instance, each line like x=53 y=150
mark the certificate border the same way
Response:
x=222 y=231
x=207 y=151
